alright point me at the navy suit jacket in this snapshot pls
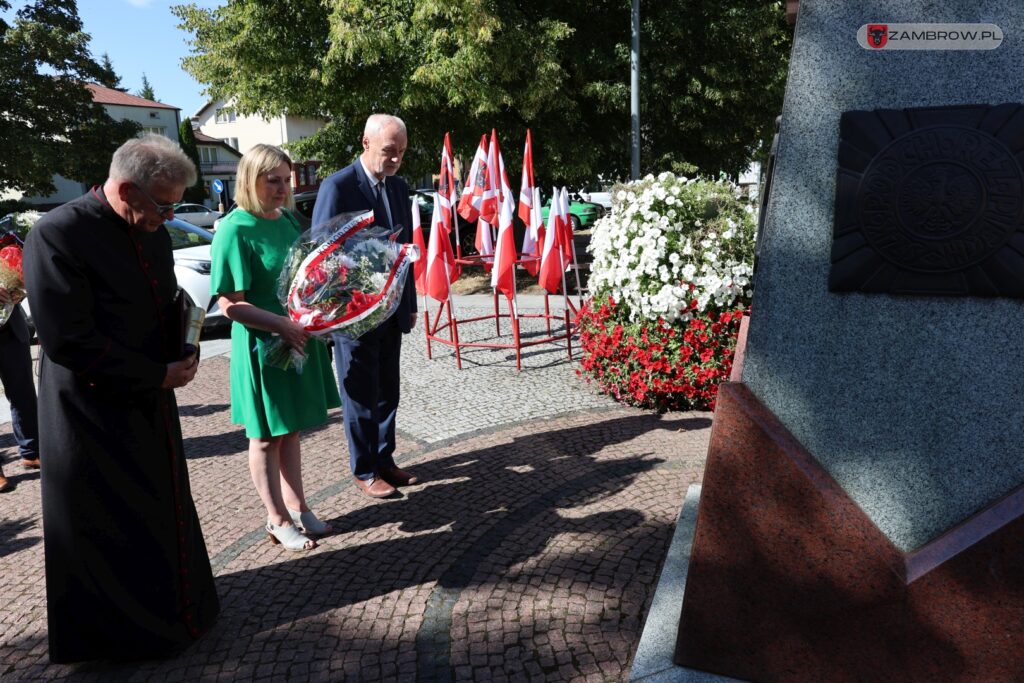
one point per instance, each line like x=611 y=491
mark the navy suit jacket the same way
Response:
x=350 y=190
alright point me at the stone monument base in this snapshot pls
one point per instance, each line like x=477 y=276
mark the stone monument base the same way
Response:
x=790 y=581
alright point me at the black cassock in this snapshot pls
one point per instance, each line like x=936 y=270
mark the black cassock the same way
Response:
x=127 y=572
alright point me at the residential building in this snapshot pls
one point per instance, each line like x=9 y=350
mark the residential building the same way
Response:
x=218 y=119
x=154 y=117
x=217 y=161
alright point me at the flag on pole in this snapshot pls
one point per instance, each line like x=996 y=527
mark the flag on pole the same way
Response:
x=503 y=275
x=533 y=237
x=497 y=185
x=568 y=252
x=440 y=261
x=419 y=267
x=555 y=257
x=526 y=186
x=445 y=197
x=473 y=190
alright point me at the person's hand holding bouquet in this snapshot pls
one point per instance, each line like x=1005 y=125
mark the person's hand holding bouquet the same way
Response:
x=345 y=276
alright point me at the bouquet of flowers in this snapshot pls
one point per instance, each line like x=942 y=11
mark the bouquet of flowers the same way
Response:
x=11 y=277
x=345 y=276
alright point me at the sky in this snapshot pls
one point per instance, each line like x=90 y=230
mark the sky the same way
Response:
x=142 y=37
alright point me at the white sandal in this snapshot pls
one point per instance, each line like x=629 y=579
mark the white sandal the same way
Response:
x=289 y=537
x=309 y=523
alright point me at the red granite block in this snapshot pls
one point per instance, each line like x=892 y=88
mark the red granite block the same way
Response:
x=790 y=581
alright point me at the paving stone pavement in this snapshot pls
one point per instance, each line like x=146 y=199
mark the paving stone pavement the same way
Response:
x=531 y=552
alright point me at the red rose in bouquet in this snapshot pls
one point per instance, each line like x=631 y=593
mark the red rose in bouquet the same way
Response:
x=12 y=279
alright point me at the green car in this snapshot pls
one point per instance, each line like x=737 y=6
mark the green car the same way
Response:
x=582 y=214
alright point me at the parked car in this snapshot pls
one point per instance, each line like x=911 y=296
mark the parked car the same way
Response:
x=191 y=245
x=467 y=231
x=582 y=214
x=196 y=214
x=602 y=198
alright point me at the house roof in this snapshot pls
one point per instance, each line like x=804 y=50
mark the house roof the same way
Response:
x=204 y=139
x=104 y=95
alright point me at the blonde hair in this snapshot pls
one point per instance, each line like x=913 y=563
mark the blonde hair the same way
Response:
x=254 y=163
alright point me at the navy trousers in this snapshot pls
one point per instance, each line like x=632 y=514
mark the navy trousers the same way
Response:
x=16 y=376
x=369 y=379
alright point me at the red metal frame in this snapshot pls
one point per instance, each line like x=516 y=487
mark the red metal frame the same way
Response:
x=452 y=322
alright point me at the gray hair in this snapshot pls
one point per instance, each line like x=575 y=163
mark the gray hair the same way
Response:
x=378 y=122
x=150 y=160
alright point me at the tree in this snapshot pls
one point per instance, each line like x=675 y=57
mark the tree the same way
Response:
x=712 y=76
x=109 y=77
x=147 y=90
x=50 y=123
x=187 y=139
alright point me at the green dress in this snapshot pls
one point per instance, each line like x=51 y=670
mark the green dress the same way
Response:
x=247 y=256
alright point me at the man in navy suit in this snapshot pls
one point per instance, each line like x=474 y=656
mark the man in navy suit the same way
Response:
x=16 y=377
x=368 y=367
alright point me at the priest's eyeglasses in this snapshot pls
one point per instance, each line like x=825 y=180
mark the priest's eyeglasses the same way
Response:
x=161 y=209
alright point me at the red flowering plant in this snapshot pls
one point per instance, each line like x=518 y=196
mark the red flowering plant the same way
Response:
x=671 y=282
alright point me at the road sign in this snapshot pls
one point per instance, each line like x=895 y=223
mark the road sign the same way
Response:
x=218 y=186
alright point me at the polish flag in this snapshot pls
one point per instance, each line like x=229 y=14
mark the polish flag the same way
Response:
x=497 y=185
x=526 y=186
x=445 y=197
x=554 y=260
x=533 y=238
x=568 y=251
x=473 y=191
x=419 y=267
x=440 y=260
x=503 y=275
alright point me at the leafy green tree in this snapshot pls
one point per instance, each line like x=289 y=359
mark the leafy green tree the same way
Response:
x=712 y=76
x=50 y=124
x=146 y=92
x=187 y=140
x=109 y=77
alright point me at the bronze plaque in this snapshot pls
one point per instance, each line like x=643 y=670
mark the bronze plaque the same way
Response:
x=930 y=201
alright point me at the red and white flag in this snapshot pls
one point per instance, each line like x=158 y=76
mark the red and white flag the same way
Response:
x=445 y=198
x=503 y=275
x=568 y=251
x=419 y=267
x=473 y=190
x=533 y=237
x=440 y=260
x=554 y=259
x=526 y=186
x=497 y=185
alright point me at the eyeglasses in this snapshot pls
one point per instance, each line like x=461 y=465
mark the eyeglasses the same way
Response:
x=161 y=209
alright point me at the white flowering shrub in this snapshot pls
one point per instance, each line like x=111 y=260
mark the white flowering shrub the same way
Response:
x=673 y=247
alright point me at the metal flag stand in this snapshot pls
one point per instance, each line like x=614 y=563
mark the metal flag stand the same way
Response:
x=444 y=327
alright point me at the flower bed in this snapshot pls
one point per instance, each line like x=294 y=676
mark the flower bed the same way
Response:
x=671 y=281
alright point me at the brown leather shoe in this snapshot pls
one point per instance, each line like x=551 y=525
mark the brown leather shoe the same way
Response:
x=397 y=477
x=375 y=487
x=30 y=463
x=4 y=484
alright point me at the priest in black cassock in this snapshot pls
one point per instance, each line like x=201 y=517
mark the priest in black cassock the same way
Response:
x=127 y=572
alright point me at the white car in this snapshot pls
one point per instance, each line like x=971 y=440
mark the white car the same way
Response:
x=196 y=214
x=191 y=245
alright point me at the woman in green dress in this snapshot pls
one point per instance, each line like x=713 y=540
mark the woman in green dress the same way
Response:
x=249 y=250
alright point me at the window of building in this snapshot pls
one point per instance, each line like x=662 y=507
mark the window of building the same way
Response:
x=233 y=142
x=208 y=155
x=225 y=115
x=157 y=130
